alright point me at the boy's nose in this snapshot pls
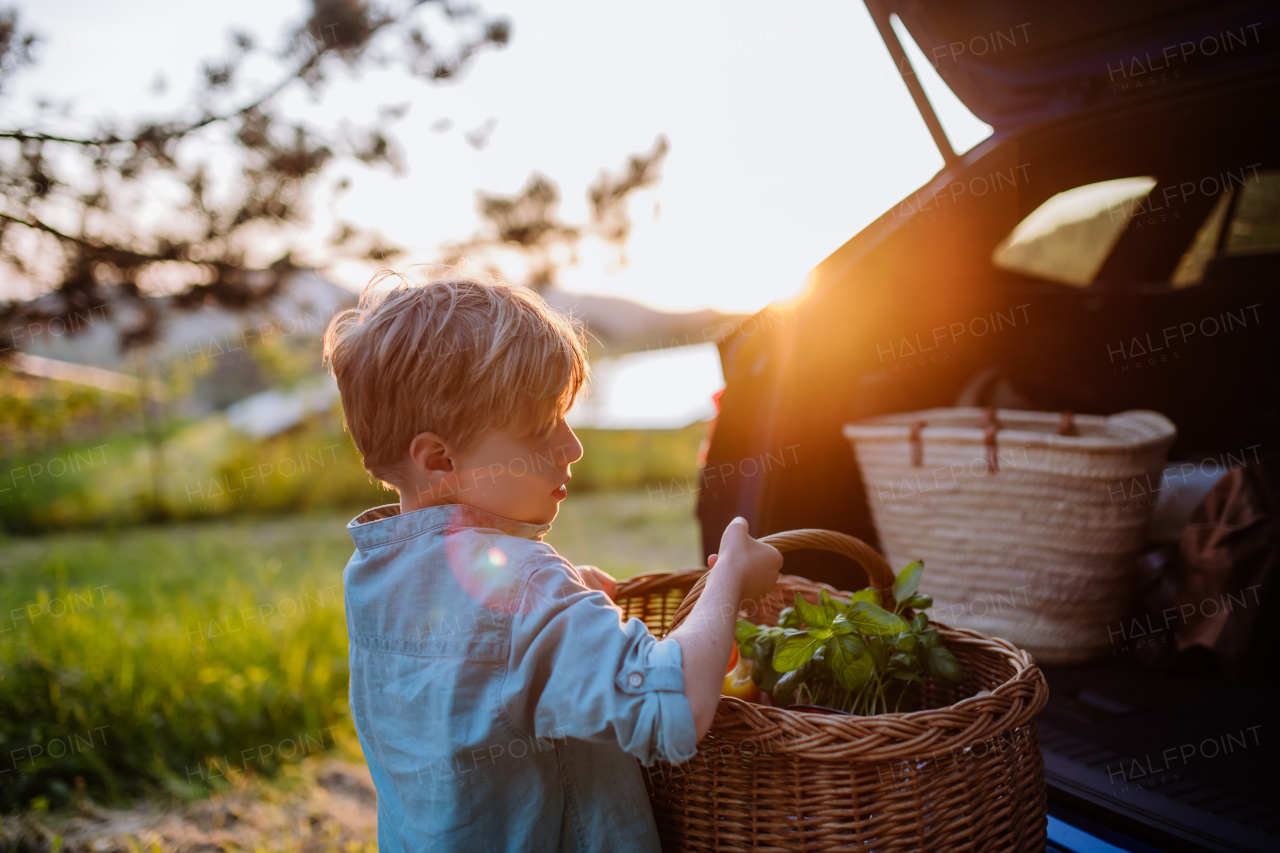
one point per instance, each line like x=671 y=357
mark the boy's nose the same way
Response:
x=573 y=447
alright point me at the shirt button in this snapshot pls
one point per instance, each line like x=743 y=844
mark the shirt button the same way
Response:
x=635 y=679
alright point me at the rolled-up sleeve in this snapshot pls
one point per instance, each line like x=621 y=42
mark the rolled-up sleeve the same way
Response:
x=576 y=669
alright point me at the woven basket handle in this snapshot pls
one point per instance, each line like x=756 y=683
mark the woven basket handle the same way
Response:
x=867 y=558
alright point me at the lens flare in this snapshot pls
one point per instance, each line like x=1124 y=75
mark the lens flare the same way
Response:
x=481 y=568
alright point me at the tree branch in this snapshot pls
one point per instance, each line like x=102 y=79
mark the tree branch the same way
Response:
x=175 y=132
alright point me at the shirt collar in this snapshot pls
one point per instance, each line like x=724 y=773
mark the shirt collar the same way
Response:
x=384 y=524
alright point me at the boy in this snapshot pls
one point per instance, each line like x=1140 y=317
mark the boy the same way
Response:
x=499 y=698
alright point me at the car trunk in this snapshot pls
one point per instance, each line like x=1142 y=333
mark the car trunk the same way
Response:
x=862 y=342
x=1019 y=64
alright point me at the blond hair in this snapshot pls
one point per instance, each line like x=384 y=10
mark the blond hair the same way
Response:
x=456 y=355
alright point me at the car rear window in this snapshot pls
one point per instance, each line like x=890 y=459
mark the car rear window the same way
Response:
x=1068 y=238
x=1254 y=227
x=1255 y=221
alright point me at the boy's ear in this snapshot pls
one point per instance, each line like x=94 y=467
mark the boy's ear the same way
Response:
x=431 y=454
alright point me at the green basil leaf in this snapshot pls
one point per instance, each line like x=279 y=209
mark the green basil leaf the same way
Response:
x=907 y=675
x=746 y=631
x=874 y=620
x=848 y=661
x=907 y=642
x=875 y=650
x=908 y=581
x=793 y=652
x=789 y=618
x=814 y=616
x=842 y=625
x=770 y=636
x=940 y=663
x=929 y=638
x=869 y=594
x=919 y=623
x=785 y=688
x=920 y=601
x=821 y=633
x=848 y=648
x=829 y=606
x=764 y=675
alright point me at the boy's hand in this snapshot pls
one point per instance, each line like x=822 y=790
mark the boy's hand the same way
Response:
x=743 y=569
x=596 y=579
x=755 y=563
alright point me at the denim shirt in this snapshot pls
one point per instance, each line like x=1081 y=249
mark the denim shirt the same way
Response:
x=500 y=703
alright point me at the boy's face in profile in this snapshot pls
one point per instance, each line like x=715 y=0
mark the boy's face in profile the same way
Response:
x=515 y=474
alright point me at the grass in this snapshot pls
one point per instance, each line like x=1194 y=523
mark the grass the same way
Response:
x=627 y=532
x=174 y=658
x=206 y=471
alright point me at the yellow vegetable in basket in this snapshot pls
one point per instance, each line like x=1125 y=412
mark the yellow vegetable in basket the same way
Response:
x=738 y=682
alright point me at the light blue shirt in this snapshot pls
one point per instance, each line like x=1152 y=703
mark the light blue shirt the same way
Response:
x=500 y=703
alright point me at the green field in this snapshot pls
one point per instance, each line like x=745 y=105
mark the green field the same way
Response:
x=176 y=658
x=204 y=470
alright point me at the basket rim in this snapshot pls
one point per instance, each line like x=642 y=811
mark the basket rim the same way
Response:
x=897 y=427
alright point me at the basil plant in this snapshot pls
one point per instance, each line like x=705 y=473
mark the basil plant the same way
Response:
x=853 y=655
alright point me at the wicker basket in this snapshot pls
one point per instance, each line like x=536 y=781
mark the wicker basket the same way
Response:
x=965 y=775
x=1028 y=522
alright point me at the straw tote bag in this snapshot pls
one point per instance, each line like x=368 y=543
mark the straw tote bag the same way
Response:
x=1029 y=522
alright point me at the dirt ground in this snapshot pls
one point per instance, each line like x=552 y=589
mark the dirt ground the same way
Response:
x=325 y=807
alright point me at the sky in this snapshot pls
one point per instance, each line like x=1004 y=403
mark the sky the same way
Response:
x=790 y=129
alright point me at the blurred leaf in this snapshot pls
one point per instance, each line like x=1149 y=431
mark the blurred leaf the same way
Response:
x=907 y=582
x=785 y=687
x=91 y=198
x=764 y=675
x=876 y=651
x=869 y=594
x=940 y=663
x=903 y=660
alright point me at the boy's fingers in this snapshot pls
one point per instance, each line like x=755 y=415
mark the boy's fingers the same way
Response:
x=711 y=561
x=740 y=524
x=600 y=580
